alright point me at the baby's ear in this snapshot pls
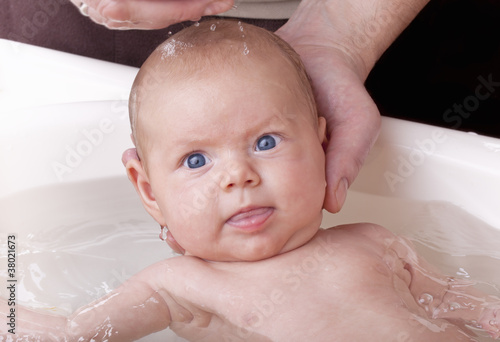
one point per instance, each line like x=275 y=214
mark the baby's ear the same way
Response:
x=139 y=178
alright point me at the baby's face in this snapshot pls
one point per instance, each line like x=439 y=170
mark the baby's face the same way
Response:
x=235 y=163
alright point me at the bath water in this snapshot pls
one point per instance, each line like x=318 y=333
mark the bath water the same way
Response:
x=76 y=242
x=459 y=244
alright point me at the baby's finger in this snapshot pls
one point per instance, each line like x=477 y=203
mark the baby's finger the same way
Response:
x=490 y=320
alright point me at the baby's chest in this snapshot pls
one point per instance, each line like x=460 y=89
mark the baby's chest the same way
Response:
x=311 y=291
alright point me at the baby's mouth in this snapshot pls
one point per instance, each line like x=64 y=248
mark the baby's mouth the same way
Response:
x=251 y=218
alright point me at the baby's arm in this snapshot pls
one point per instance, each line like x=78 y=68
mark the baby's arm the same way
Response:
x=21 y=324
x=137 y=308
x=448 y=297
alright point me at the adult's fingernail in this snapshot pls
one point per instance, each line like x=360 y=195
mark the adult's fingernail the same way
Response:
x=341 y=192
x=216 y=7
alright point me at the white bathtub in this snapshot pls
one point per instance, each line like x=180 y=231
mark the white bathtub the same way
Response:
x=81 y=230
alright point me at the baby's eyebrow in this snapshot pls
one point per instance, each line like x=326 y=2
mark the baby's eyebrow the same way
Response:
x=275 y=123
x=187 y=142
x=282 y=119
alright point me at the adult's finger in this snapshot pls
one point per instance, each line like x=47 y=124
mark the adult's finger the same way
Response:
x=152 y=14
x=129 y=154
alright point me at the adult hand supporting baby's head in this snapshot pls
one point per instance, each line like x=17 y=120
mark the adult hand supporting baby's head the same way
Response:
x=353 y=120
x=339 y=42
x=128 y=155
x=148 y=14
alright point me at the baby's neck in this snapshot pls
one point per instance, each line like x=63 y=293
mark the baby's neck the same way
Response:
x=305 y=243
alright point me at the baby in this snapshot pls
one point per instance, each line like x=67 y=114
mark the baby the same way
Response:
x=231 y=161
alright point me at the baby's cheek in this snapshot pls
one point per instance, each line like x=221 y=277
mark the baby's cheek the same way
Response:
x=304 y=188
x=181 y=206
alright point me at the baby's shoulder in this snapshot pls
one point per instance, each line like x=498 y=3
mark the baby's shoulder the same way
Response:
x=370 y=230
x=376 y=236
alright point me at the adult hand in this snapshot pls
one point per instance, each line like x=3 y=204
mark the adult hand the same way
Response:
x=149 y=14
x=339 y=44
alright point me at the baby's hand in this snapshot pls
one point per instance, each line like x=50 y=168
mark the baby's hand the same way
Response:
x=490 y=319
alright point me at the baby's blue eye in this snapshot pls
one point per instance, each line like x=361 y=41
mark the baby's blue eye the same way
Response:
x=267 y=142
x=195 y=161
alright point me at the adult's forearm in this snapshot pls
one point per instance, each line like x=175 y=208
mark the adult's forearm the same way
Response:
x=362 y=29
x=370 y=27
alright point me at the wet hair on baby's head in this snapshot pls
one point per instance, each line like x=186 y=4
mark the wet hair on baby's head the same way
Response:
x=209 y=47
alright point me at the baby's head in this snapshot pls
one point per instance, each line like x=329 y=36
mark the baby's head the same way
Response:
x=225 y=125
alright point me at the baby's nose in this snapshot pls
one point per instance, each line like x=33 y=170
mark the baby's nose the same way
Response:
x=239 y=173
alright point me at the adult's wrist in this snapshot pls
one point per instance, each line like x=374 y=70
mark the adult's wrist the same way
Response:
x=362 y=30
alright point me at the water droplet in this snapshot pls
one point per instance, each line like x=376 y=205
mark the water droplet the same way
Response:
x=454 y=306
x=213 y=27
x=425 y=299
x=462 y=272
x=245 y=49
x=197 y=24
x=163 y=234
x=234 y=7
x=492 y=323
x=173 y=47
x=169 y=33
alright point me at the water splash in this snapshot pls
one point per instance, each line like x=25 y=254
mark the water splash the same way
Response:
x=425 y=299
x=173 y=47
x=246 y=51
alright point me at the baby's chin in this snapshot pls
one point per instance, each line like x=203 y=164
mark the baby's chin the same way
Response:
x=237 y=254
x=253 y=255
x=232 y=258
